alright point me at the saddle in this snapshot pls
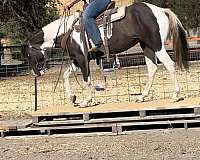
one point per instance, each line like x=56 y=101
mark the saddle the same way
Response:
x=111 y=14
x=111 y=11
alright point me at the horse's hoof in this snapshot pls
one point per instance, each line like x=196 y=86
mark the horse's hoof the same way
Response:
x=174 y=100
x=139 y=99
x=85 y=104
x=72 y=99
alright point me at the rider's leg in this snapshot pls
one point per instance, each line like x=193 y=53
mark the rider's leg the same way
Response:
x=93 y=10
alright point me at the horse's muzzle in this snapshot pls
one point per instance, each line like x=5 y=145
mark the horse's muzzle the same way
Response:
x=38 y=67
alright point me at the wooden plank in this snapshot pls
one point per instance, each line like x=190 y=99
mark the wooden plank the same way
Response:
x=97 y=125
x=142 y=113
x=121 y=119
x=87 y=126
x=122 y=107
x=8 y=125
x=158 y=122
x=147 y=118
x=55 y=122
x=3 y=128
x=24 y=123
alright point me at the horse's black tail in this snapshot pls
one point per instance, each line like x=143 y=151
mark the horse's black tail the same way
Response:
x=180 y=44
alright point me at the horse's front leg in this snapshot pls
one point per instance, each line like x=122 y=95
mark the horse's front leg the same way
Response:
x=88 y=85
x=68 y=89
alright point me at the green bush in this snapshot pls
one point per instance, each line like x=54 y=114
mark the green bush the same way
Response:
x=2 y=34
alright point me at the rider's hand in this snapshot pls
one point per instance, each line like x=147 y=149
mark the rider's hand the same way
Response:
x=68 y=6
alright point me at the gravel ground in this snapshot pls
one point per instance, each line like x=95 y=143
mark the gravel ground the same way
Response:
x=154 y=145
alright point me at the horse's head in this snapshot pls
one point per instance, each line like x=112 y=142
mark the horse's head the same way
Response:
x=35 y=53
x=50 y=36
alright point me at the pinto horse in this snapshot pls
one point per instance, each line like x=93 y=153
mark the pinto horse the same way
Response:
x=143 y=23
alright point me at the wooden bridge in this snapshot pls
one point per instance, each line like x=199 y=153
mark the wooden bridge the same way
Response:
x=107 y=119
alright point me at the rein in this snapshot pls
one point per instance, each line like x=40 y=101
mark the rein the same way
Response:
x=66 y=48
x=63 y=15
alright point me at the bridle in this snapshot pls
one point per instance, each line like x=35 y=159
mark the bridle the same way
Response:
x=36 y=49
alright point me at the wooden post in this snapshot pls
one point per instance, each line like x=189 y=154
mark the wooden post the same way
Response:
x=198 y=34
x=35 y=93
x=142 y=113
x=86 y=116
x=1 y=50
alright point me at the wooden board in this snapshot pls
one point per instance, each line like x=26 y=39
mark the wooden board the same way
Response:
x=118 y=119
x=119 y=107
x=14 y=125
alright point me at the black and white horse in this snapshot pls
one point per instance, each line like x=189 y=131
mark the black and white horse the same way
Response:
x=143 y=23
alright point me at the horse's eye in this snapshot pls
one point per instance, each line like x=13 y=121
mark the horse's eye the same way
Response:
x=39 y=66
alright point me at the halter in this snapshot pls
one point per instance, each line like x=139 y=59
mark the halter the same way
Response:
x=36 y=50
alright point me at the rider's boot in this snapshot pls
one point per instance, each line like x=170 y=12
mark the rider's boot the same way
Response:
x=98 y=48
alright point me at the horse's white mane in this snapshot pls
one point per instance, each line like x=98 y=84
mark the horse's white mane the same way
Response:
x=61 y=24
x=51 y=30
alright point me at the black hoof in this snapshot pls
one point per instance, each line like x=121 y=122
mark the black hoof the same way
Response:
x=73 y=99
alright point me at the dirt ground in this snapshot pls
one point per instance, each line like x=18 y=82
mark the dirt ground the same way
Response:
x=154 y=145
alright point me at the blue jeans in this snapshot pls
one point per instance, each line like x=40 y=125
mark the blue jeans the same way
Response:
x=92 y=11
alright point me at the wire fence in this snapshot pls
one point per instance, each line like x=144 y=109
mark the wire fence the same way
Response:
x=18 y=86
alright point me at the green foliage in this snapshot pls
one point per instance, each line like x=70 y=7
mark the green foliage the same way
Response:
x=2 y=34
x=187 y=10
x=20 y=18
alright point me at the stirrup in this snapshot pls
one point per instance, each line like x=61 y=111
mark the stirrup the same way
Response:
x=100 y=48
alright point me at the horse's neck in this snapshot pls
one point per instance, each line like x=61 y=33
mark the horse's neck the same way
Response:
x=68 y=22
x=57 y=28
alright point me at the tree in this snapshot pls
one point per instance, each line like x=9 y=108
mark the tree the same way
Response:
x=19 y=18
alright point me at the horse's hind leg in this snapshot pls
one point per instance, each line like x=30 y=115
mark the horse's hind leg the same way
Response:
x=152 y=68
x=68 y=89
x=170 y=66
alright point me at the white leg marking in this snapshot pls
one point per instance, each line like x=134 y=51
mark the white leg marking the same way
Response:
x=170 y=66
x=88 y=100
x=152 y=68
x=68 y=89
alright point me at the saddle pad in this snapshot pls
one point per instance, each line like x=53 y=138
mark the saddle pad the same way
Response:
x=119 y=15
